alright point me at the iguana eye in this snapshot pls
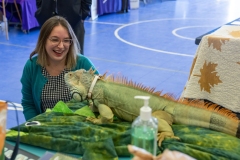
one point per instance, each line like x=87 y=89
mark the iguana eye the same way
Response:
x=70 y=74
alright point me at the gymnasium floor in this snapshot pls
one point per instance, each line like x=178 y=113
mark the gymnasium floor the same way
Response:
x=153 y=45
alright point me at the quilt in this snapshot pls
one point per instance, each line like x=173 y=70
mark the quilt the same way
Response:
x=65 y=130
x=214 y=75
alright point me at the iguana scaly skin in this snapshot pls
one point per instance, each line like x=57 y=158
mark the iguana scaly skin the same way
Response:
x=115 y=96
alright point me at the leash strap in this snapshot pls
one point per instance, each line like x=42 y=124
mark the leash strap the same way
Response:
x=92 y=86
x=90 y=92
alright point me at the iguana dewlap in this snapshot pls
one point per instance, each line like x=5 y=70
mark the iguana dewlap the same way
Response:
x=115 y=96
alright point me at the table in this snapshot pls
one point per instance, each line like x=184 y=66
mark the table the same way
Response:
x=27 y=10
x=108 y=6
x=39 y=152
x=215 y=71
x=100 y=7
x=199 y=38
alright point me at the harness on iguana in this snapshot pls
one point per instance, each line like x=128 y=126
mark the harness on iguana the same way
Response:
x=89 y=95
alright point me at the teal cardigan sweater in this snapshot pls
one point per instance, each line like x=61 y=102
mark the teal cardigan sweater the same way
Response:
x=33 y=82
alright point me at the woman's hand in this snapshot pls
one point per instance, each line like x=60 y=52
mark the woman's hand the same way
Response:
x=141 y=154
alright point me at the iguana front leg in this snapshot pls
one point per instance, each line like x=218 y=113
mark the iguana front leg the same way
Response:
x=106 y=115
x=165 y=121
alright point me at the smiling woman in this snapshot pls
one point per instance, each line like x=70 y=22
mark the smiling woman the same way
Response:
x=57 y=50
x=56 y=53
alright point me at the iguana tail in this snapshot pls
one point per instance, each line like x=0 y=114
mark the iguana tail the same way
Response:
x=208 y=116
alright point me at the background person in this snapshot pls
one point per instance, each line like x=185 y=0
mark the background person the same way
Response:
x=56 y=53
x=75 y=11
x=124 y=7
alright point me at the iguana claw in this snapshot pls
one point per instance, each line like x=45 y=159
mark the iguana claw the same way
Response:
x=94 y=120
x=100 y=120
x=161 y=136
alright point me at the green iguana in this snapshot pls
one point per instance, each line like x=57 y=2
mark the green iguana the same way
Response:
x=115 y=96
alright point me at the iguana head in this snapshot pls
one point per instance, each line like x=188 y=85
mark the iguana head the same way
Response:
x=79 y=82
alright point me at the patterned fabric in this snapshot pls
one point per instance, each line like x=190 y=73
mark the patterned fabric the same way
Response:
x=54 y=90
x=214 y=75
x=70 y=133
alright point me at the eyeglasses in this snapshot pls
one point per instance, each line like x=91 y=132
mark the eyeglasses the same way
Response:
x=56 y=41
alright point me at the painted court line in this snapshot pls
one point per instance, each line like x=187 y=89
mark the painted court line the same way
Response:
x=174 y=32
x=135 y=64
x=8 y=44
x=151 y=49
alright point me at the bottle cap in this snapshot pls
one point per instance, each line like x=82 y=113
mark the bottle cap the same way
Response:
x=145 y=111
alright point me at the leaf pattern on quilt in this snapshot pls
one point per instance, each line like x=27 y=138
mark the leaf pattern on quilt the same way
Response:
x=208 y=77
x=217 y=42
x=193 y=64
x=235 y=34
